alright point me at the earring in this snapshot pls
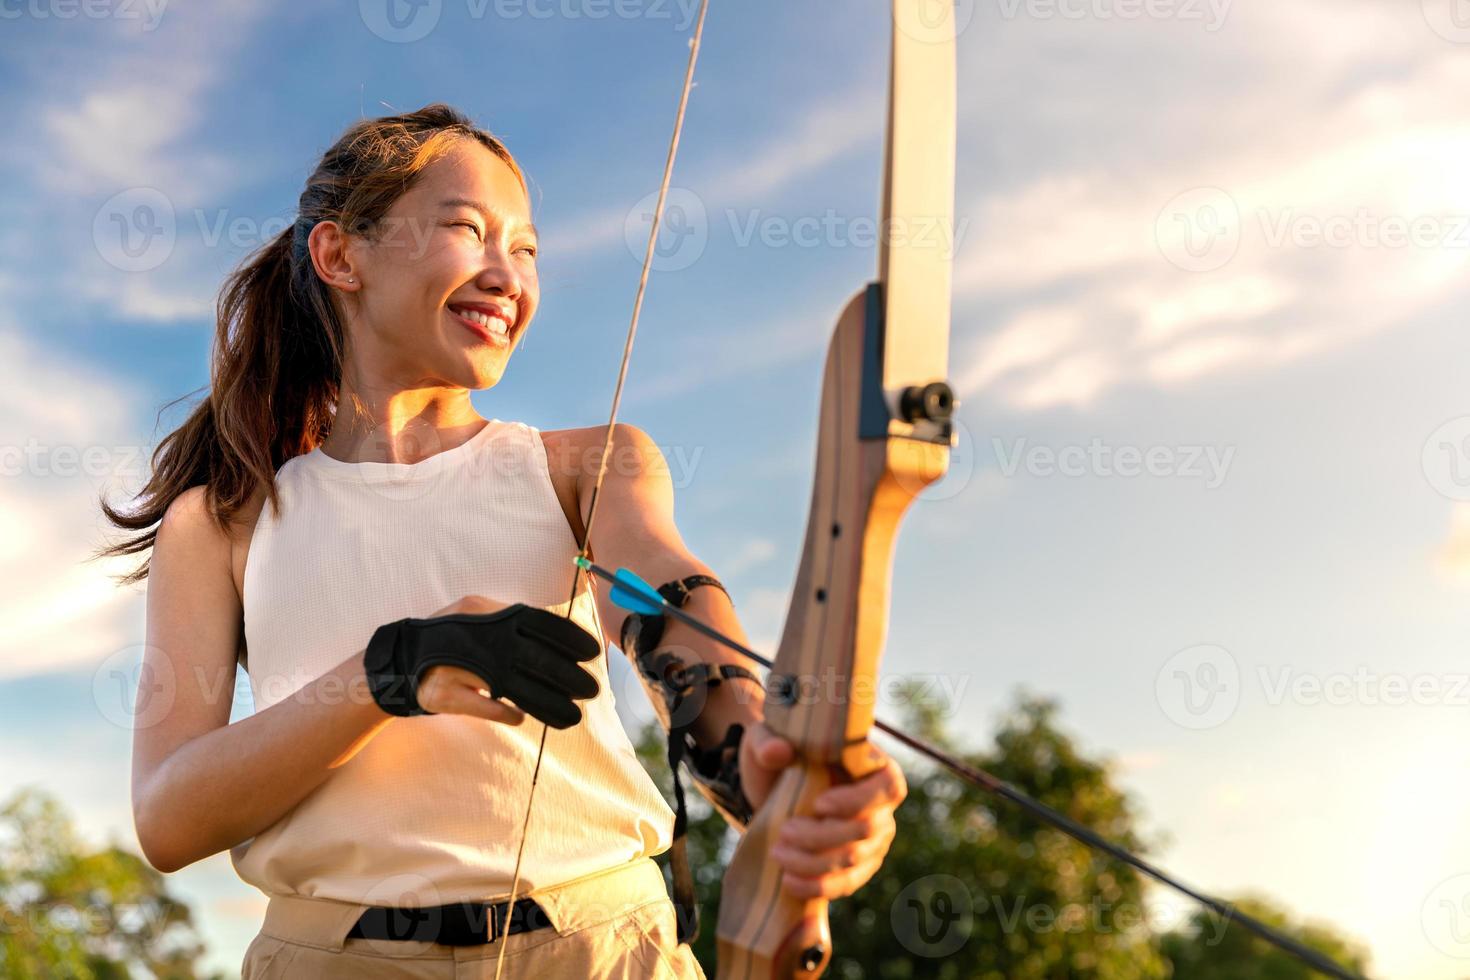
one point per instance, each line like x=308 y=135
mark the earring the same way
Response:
x=352 y=280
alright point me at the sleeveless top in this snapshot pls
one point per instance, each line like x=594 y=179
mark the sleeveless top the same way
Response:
x=430 y=810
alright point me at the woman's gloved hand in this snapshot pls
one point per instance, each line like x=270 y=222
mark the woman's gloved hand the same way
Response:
x=478 y=648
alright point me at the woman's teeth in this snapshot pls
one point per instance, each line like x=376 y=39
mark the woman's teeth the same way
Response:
x=492 y=323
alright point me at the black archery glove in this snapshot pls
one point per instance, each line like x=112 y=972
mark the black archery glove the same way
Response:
x=528 y=656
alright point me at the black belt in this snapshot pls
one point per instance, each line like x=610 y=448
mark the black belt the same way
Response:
x=460 y=924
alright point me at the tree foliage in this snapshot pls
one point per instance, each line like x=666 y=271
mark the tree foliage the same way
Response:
x=69 y=911
x=976 y=889
x=1208 y=948
x=973 y=888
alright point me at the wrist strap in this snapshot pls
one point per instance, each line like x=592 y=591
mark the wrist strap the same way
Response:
x=648 y=631
x=716 y=769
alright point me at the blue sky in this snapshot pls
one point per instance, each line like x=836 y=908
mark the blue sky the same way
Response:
x=1226 y=239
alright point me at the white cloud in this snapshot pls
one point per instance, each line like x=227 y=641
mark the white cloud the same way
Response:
x=140 y=125
x=762 y=614
x=824 y=133
x=58 y=422
x=125 y=118
x=1035 y=337
x=1366 y=140
x=752 y=553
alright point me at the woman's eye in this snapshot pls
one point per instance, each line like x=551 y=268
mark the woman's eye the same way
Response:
x=528 y=249
x=468 y=224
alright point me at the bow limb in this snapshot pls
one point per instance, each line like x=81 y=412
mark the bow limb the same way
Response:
x=884 y=434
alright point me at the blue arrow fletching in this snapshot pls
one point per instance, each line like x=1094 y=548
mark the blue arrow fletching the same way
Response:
x=635 y=595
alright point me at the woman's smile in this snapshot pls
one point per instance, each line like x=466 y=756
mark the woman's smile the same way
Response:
x=491 y=324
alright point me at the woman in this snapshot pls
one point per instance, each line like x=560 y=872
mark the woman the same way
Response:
x=405 y=601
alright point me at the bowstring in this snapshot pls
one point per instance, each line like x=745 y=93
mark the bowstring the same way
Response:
x=585 y=551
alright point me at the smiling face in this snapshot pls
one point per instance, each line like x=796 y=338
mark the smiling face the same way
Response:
x=449 y=281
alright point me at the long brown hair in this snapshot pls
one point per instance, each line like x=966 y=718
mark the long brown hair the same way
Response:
x=279 y=345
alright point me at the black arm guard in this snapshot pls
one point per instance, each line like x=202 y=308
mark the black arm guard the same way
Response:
x=716 y=770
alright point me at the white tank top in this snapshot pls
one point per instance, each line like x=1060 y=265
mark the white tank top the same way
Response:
x=430 y=810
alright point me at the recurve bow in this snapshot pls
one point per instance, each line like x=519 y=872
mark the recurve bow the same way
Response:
x=884 y=435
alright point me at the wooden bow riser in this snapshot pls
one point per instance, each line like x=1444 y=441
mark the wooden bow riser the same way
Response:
x=823 y=686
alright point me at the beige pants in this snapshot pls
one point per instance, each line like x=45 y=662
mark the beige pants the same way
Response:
x=614 y=925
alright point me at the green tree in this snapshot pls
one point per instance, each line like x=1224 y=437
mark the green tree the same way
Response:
x=1207 y=948
x=69 y=911
x=972 y=889
x=1026 y=902
x=976 y=889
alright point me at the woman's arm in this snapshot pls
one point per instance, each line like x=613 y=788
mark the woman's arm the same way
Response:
x=635 y=529
x=200 y=784
x=829 y=854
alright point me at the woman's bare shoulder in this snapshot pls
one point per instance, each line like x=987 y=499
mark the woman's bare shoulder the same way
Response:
x=579 y=450
x=567 y=453
x=241 y=530
x=572 y=457
x=565 y=446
